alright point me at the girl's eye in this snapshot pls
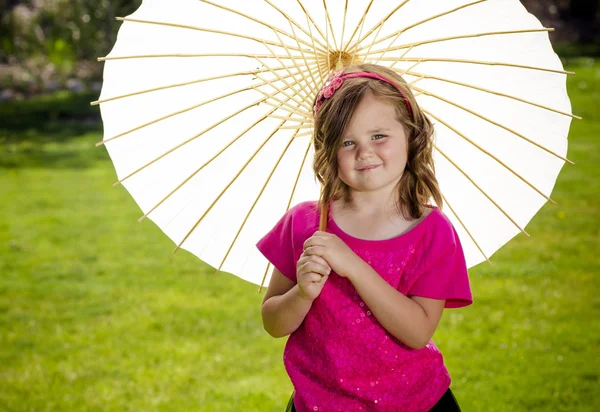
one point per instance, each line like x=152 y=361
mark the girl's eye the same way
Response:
x=347 y=143
x=379 y=136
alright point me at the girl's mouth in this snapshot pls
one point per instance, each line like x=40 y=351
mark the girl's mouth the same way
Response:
x=368 y=168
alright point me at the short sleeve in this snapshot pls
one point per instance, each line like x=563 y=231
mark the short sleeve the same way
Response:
x=444 y=270
x=278 y=246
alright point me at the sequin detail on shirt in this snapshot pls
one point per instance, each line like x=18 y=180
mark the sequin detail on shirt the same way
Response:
x=341 y=358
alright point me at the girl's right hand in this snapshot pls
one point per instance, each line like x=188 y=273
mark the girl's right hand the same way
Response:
x=311 y=274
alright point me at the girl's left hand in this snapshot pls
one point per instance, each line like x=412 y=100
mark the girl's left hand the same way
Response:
x=339 y=256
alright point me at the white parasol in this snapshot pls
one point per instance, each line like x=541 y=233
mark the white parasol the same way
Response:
x=207 y=111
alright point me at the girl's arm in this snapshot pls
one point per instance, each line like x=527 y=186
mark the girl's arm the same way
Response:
x=411 y=320
x=283 y=308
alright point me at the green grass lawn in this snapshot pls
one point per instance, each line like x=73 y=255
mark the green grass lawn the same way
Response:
x=96 y=313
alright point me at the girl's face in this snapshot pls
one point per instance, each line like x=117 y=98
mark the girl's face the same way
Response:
x=374 y=149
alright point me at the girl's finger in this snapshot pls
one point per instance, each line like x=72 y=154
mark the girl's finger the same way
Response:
x=313 y=241
x=309 y=276
x=319 y=260
x=315 y=268
x=314 y=250
x=304 y=258
x=314 y=277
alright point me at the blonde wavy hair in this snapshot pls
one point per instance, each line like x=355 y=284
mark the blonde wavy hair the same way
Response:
x=418 y=183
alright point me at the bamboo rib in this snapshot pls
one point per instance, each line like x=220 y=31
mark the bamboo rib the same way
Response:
x=308 y=98
x=491 y=155
x=253 y=72
x=360 y=24
x=304 y=96
x=465 y=227
x=290 y=119
x=410 y=68
x=327 y=66
x=304 y=134
x=309 y=19
x=292 y=76
x=305 y=126
x=316 y=57
x=203 y=166
x=418 y=79
x=289 y=18
x=314 y=85
x=291 y=196
x=328 y=21
x=254 y=203
x=276 y=29
x=186 y=55
x=480 y=189
x=189 y=140
x=182 y=26
x=267 y=102
x=323 y=65
x=426 y=76
x=302 y=71
x=343 y=30
x=435 y=59
x=264 y=276
x=403 y=54
x=462 y=36
x=228 y=186
x=405 y=29
x=290 y=108
x=187 y=109
x=302 y=103
x=373 y=41
x=492 y=122
x=302 y=87
x=308 y=146
x=310 y=68
x=381 y=22
x=94 y=103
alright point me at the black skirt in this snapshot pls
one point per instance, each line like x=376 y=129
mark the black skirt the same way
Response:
x=447 y=403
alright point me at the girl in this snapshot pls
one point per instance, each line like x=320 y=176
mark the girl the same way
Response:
x=362 y=300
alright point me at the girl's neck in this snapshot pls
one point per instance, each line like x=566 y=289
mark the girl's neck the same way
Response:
x=369 y=204
x=372 y=220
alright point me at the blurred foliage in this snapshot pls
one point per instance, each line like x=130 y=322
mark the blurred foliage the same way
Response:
x=48 y=45
x=61 y=29
x=575 y=22
x=54 y=40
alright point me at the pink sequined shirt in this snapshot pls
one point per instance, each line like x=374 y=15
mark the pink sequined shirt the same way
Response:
x=341 y=358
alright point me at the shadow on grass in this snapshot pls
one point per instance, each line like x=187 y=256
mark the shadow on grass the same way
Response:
x=53 y=131
x=77 y=152
x=45 y=115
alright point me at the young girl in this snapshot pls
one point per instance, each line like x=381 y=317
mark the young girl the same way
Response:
x=362 y=300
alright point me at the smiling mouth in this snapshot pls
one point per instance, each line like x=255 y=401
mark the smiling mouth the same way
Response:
x=367 y=168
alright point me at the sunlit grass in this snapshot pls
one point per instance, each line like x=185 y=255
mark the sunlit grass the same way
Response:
x=97 y=314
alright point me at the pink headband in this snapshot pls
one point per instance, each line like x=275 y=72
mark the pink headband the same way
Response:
x=336 y=80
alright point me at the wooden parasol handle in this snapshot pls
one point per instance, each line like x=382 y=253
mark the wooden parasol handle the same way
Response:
x=323 y=220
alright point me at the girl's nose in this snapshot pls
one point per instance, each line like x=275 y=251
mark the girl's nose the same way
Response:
x=364 y=152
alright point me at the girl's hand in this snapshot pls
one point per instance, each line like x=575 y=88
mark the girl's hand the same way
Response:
x=336 y=253
x=311 y=274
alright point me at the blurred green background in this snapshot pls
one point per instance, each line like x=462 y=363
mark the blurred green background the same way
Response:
x=97 y=314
